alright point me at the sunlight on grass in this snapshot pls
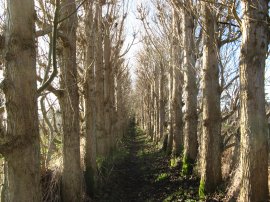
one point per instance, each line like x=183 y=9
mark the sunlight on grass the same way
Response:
x=174 y=161
x=161 y=177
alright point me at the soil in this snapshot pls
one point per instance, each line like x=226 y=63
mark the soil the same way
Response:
x=145 y=174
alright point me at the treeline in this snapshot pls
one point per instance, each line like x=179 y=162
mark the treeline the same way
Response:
x=67 y=95
x=201 y=90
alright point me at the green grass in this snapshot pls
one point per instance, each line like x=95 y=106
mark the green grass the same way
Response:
x=174 y=161
x=202 y=190
x=161 y=177
x=187 y=165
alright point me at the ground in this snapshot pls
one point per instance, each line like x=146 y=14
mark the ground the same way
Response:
x=142 y=172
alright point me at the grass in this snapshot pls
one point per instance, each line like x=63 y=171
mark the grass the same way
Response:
x=202 y=190
x=161 y=177
x=174 y=161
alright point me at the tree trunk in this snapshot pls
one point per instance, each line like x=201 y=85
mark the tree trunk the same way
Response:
x=170 y=108
x=177 y=88
x=178 y=114
x=90 y=112
x=253 y=127
x=113 y=112
x=69 y=104
x=162 y=102
x=156 y=81
x=151 y=107
x=107 y=87
x=120 y=108
x=21 y=102
x=211 y=128
x=99 y=70
x=191 y=119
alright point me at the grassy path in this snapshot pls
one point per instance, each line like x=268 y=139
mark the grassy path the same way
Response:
x=143 y=173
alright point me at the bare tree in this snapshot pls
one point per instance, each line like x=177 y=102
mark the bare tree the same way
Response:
x=191 y=91
x=253 y=127
x=90 y=104
x=211 y=123
x=22 y=149
x=69 y=104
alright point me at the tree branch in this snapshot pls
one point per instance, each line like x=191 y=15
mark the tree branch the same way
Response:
x=54 y=38
x=56 y=92
x=43 y=32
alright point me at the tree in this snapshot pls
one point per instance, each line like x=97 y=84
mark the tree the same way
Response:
x=177 y=57
x=108 y=84
x=253 y=127
x=191 y=91
x=211 y=123
x=22 y=150
x=69 y=104
x=102 y=137
x=90 y=104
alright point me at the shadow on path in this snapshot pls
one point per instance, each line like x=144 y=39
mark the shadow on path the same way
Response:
x=144 y=174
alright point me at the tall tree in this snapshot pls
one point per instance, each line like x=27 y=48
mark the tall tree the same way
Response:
x=90 y=114
x=253 y=127
x=23 y=158
x=177 y=85
x=108 y=85
x=102 y=138
x=162 y=101
x=191 y=91
x=156 y=84
x=171 y=87
x=69 y=104
x=211 y=125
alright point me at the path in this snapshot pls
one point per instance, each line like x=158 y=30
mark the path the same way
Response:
x=145 y=174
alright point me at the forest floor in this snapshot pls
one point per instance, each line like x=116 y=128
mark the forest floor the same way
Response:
x=142 y=172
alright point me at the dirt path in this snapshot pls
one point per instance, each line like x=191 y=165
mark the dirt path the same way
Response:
x=145 y=174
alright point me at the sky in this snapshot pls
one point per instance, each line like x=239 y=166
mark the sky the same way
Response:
x=133 y=25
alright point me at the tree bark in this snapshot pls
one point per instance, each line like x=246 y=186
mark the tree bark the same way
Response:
x=191 y=91
x=177 y=87
x=211 y=127
x=107 y=84
x=102 y=139
x=253 y=127
x=21 y=102
x=156 y=81
x=162 y=101
x=90 y=104
x=69 y=104
x=170 y=108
